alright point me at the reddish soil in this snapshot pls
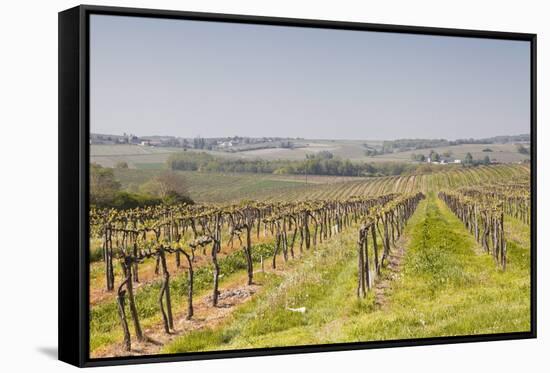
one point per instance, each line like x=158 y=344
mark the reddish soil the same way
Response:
x=99 y=294
x=205 y=315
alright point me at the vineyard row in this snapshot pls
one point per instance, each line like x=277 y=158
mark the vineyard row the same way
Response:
x=392 y=218
x=484 y=219
x=133 y=236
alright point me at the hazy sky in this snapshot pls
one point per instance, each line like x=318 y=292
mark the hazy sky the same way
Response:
x=187 y=78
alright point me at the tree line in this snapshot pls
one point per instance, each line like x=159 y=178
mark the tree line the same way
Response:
x=323 y=163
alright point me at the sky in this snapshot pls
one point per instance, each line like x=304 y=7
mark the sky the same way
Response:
x=152 y=76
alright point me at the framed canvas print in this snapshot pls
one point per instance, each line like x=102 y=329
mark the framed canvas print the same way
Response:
x=234 y=186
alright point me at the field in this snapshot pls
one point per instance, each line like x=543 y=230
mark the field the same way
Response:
x=284 y=266
x=155 y=157
x=207 y=187
x=134 y=155
x=215 y=187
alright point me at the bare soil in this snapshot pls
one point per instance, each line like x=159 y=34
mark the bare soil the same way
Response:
x=205 y=315
x=392 y=272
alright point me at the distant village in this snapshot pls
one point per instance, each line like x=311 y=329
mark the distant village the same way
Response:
x=443 y=160
x=229 y=144
x=447 y=158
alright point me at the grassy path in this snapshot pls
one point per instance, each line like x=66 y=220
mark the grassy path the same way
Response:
x=446 y=286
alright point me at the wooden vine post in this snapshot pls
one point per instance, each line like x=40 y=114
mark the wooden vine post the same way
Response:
x=216 y=247
x=164 y=294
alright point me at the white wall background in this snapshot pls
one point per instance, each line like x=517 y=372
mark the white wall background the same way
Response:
x=28 y=186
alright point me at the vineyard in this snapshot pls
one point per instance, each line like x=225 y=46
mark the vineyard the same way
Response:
x=167 y=275
x=482 y=211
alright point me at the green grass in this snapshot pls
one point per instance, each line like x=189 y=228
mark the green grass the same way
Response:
x=266 y=316
x=447 y=287
x=218 y=187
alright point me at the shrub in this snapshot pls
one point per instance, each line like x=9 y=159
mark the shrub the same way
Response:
x=125 y=200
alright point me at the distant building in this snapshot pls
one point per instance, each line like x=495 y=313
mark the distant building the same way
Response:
x=133 y=140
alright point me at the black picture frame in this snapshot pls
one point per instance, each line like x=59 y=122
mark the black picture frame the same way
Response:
x=73 y=165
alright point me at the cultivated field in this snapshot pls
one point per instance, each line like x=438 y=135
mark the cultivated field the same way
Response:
x=148 y=157
x=334 y=260
x=206 y=187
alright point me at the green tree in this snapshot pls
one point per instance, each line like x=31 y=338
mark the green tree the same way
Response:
x=434 y=156
x=468 y=159
x=169 y=186
x=103 y=185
